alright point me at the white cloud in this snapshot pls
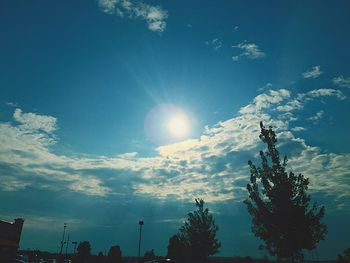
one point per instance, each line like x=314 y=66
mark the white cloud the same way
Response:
x=129 y=155
x=212 y=166
x=10 y=183
x=317 y=117
x=250 y=51
x=265 y=100
x=298 y=128
x=291 y=105
x=26 y=148
x=155 y=16
x=342 y=81
x=327 y=93
x=315 y=72
x=32 y=121
x=108 y=6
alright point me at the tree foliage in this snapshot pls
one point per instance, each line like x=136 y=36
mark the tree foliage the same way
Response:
x=115 y=254
x=279 y=205
x=196 y=239
x=84 y=251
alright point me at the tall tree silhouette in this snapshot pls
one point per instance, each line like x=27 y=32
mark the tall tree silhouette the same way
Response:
x=279 y=205
x=196 y=239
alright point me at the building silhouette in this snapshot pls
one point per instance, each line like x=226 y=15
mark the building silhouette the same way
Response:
x=10 y=235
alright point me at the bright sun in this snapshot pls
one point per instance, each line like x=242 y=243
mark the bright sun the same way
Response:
x=178 y=125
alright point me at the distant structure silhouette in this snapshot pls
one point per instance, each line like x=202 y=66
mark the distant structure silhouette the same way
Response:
x=141 y=223
x=63 y=235
x=279 y=205
x=10 y=236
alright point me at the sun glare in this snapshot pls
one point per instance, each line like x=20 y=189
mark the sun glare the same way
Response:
x=168 y=123
x=178 y=125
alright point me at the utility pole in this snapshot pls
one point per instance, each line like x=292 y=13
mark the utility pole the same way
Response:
x=64 y=233
x=141 y=223
x=67 y=243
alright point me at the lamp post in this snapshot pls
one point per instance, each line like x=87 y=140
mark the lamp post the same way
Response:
x=141 y=223
x=64 y=233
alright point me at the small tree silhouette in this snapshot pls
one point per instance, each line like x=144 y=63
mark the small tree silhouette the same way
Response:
x=84 y=250
x=196 y=239
x=280 y=211
x=114 y=255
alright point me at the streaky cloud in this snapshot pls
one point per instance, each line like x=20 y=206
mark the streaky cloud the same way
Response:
x=315 y=72
x=342 y=81
x=249 y=51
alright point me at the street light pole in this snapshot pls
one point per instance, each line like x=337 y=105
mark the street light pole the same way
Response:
x=64 y=233
x=141 y=223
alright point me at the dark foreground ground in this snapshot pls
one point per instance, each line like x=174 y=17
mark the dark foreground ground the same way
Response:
x=42 y=256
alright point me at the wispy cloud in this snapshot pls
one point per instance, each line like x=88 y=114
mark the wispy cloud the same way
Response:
x=47 y=223
x=12 y=104
x=342 y=81
x=250 y=51
x=155 y=16
x=297 y=103
x=216 y=44
x=315 y=72
x=298 y=128
x=267 y=86
x=317 y=117
x=326 y=93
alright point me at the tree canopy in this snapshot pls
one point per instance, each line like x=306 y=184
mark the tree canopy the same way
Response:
x=196 y=239
x=279 y=205
x=115 y=254
x=84 y=250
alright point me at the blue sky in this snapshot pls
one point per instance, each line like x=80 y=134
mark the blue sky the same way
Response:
x=88 y=89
